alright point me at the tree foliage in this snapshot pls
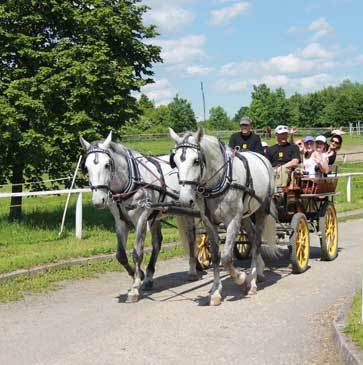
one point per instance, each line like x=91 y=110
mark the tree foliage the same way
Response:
x=67 y=67
x=182 y=117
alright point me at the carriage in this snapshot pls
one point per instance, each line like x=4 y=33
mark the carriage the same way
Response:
x=305 y=206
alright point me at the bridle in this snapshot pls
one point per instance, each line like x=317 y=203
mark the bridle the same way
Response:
x=201 y=160
x=134 y=178
x=96 y=151
x=224 y=183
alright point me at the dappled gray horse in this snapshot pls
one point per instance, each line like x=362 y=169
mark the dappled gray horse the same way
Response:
x=228 y=187
x=129 y=183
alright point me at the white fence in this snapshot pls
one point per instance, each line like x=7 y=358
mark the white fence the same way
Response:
x=79 y=192
x=79 y=208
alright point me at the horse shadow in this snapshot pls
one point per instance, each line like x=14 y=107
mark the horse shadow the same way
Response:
x=231 y=292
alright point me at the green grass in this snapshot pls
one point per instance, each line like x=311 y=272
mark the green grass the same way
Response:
x=354 y=327
x=35 y=241
x=55 y=278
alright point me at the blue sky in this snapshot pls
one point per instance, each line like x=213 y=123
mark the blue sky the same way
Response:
x=231 y=45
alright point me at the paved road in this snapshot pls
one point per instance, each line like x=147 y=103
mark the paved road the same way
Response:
x=289 y=321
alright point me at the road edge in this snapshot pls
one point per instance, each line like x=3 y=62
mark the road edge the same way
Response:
x=348 y=351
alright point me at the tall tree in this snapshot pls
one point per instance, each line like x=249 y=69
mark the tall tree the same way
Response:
x=66 y=67
x=182 y=117
x=218 y=119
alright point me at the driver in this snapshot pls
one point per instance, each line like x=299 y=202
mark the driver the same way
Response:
x=246 y=140
x=283 y=155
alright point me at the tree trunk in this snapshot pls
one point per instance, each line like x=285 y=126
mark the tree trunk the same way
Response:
x=15 y=202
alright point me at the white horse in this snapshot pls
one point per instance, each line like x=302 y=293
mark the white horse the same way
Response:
x=129 y=183
x=228 y=187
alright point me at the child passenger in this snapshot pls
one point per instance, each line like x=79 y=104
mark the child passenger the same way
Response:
x=314 y=161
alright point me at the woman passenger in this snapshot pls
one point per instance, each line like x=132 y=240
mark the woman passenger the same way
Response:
x=335 y=144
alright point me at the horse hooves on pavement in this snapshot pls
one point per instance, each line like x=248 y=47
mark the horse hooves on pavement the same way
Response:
x=132 y=298
x=252 y=291
x=215 y=300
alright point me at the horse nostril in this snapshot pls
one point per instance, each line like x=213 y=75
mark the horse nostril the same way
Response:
x=191 y=202
x=103 y=200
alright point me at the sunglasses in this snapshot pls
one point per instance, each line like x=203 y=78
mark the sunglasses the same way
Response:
x=335 y=141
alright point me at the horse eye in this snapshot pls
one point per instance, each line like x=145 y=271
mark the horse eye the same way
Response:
x=107 y=166
x=196 y=161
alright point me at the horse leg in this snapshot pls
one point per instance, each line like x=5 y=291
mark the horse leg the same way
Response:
x=122 y=231
x=233 y=229
x=257 y=264
x=156 y=240
x=215 y=294
x=187 y=235
x=138 y=255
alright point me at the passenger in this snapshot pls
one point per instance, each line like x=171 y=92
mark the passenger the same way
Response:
x=283 y=155
x=246 y=140
x=335 y=145
x=265 y=148
x=315 y=162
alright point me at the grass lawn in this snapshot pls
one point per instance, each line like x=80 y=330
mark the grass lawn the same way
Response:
x=354 y=327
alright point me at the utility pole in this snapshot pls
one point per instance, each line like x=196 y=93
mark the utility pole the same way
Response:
x=201 y=88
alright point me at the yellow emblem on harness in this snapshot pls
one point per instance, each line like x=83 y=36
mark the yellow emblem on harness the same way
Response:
x=244 y=146
x=281 y=154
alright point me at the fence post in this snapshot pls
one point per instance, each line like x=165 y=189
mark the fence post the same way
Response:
x=79 y=216
x=349 y=188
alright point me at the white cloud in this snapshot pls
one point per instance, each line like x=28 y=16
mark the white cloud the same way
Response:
x=169 y=18
x=226 y=86
x=293 y=29
x=291 y=64
x=226 y=14
x=300 y=84
x=314 y=50
x=182 y=51
x=197 y=70
x=320 y=27
x=161 y=92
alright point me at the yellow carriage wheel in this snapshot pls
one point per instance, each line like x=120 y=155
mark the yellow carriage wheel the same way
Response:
x=328 y=226
x=299 y=243
x=203 y=250
x=242 y=248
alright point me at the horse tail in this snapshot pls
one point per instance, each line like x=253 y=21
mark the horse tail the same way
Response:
x=269 y=249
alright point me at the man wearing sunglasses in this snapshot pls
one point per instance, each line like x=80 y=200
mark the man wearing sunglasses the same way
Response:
x=335 y=145
x=246 y=140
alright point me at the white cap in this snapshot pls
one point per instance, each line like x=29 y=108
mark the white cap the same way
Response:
x=321 y=139
x=281 y=129
x=264 y=144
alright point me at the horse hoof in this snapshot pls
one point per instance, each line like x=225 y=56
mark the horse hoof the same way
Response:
x=215 y=300
x=193 y=277
x=148 y=285
x=252 y=291
x=132 y=298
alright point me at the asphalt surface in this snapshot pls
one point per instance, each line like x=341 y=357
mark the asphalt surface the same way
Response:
x=287 y=322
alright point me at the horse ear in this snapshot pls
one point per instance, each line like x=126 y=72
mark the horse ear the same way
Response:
x=200 y=134
x=107 y=141
x=174 y=136
x=84 y=143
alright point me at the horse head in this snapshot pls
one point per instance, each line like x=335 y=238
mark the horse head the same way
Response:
x=99 y=164
x=190 y=163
